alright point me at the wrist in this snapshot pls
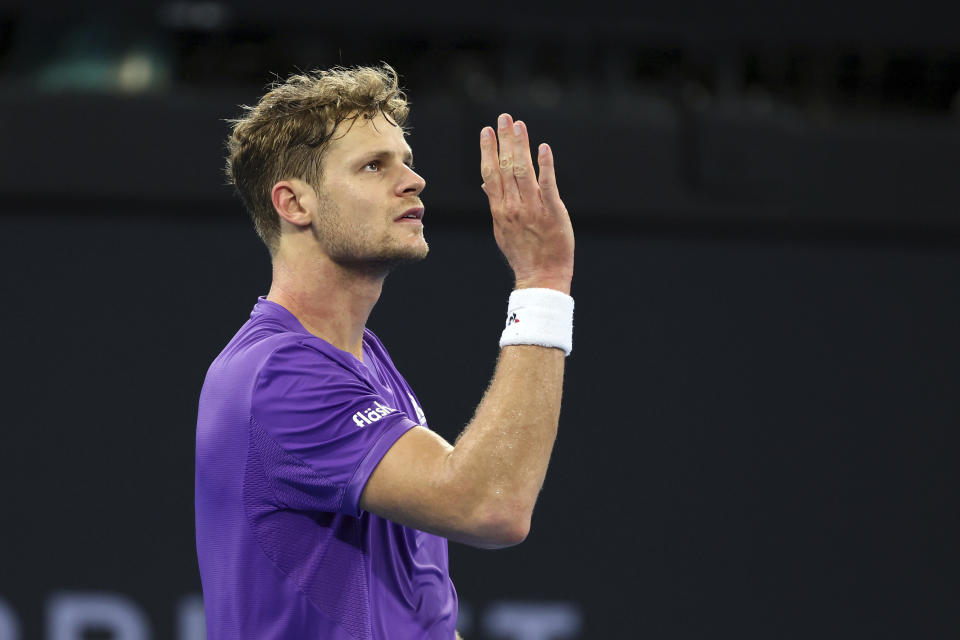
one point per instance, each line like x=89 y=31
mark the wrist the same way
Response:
x=557 y=283
x=539 y=316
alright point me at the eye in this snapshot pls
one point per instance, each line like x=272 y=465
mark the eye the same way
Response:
x=373 y=165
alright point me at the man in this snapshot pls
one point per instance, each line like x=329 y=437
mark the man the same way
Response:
x=323 y=500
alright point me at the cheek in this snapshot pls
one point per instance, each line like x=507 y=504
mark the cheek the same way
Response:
x=360 y=202
x=358 y=198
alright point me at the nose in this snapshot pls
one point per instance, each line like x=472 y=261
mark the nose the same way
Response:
x=411 y=184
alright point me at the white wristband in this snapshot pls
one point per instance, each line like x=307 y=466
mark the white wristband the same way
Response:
x=543 y=317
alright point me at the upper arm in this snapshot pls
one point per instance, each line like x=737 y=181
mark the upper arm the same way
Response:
x=319 y=454
x=315 y=449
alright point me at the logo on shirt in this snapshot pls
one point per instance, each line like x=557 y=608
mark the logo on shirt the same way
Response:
x=371 y=414
x=421 y=418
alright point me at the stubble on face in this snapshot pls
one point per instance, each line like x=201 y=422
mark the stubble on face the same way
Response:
x=353 y=245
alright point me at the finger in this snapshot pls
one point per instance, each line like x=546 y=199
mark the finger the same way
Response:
x=488 y=165
x=548 y=179
x=523 y=164
x=505 y=135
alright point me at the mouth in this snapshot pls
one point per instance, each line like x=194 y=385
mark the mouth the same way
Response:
x=415 y=214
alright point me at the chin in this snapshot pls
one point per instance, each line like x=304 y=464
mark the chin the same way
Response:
x=410 y=253
x=385 y=261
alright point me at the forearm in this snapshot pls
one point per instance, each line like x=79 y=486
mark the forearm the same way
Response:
x=482 y=490
x=500 y=460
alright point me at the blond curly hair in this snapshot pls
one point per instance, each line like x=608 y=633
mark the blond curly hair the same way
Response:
x=286 y=134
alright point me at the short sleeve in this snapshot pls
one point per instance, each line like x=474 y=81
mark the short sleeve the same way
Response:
x=324 y=429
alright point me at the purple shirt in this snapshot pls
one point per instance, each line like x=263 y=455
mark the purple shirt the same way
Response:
x=289 y=430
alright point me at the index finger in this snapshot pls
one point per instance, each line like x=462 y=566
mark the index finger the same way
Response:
x=548 y=178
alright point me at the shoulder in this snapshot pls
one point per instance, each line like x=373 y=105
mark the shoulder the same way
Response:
x=253 y=348
x=299 y=355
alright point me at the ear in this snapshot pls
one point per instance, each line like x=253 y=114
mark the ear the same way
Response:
x=291 y=200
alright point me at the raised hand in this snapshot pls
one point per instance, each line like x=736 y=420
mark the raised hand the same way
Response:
x=530 y=222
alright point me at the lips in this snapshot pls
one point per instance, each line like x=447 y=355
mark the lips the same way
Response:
x=415 y=213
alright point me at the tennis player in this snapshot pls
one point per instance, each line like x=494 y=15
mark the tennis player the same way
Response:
x=324 y=501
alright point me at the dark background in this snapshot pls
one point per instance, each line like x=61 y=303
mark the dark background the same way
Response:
x=759 y=429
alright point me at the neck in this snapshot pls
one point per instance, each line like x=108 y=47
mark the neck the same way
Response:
x=331 y=301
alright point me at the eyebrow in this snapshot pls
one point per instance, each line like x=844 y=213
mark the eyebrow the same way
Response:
x=383 y=154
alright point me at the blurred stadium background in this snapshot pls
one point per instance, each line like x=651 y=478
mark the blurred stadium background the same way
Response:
x=759 y=437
